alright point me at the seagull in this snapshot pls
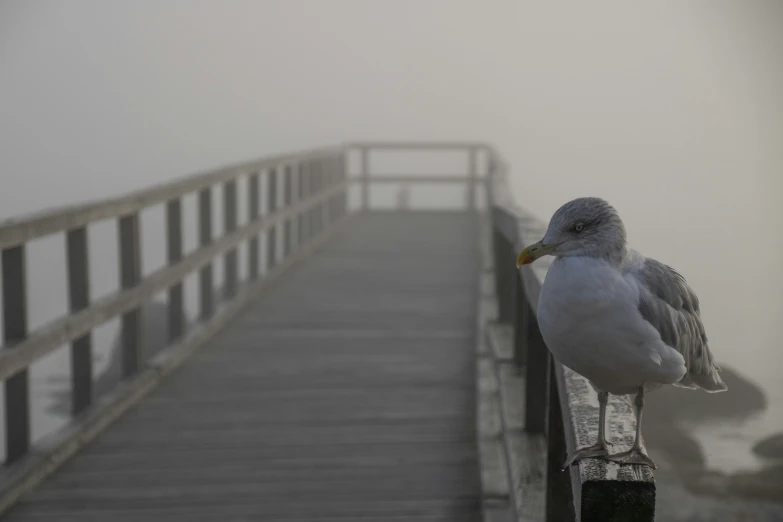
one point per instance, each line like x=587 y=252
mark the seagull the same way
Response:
x=627 y=323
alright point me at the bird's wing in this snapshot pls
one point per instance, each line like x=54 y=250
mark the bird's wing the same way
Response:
x=671 y=307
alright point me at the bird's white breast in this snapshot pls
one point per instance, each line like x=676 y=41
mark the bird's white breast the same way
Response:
x=588 y=316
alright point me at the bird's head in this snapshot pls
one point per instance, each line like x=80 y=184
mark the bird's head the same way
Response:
x=587 y=227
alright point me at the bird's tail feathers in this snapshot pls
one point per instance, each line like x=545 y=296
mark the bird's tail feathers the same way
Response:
x=711 y=382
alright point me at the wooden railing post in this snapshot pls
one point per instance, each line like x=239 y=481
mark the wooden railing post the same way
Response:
x=205 y=238
x=254 y=211
x=470 y=193
x=365 y=178
x=313 y=190
x=271 y=243
x=296 y=225
x=174 y=255
x=504 y=276
x=288 y=197
x=79 y=299
x=302 y=194
x=230 y=261
x=559 y=495
x=130 y=275
x=17 y=401
x=519 y=305
x=343 y=178
x=537 y=373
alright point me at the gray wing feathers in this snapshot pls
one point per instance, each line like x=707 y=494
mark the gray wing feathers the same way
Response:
x=670 y=305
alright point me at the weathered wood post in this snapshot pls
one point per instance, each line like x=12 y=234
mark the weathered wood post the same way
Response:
x=470 y=193
x=288 y=198
x=536 y=374
x=559 y=494
x=271 y=242
x=364 y=176
x=504 y=271
x=304 y=169
x=79 y=299
x=17 y=401
x=254 y=211
x=230 y=261
x=176 y=300
x=206 y=291
x=130 y=275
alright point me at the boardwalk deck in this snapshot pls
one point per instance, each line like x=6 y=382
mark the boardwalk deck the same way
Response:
x=345 y=393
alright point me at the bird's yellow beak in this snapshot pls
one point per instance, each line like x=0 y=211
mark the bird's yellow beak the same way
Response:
x=533 y=252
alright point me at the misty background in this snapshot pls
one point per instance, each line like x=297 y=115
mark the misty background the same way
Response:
x=671 y=111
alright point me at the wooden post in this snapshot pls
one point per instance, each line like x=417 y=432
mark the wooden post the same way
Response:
x=253 y=207
x=314 y=210
x=288 y=197
x=518 y=306
x=17 y=401
x=130 y=275
x=205 y=238
x=504 y=276
x=271 y=243
x=365 y=178
x=472 y=178
x=230 y=261
x=537 y=374
x=559 y=494
x=79 y=299
x=174 y=255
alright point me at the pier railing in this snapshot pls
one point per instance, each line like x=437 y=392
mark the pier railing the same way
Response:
x=306 y=199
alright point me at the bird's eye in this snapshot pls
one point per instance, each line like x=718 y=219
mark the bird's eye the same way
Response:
x=579 y=227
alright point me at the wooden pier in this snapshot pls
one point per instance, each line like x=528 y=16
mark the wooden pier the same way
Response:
x=370 y=363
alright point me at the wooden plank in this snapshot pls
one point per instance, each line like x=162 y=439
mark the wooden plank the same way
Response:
x=17 y=401
x=16 y=231
x=61 y=331
x=79 y=299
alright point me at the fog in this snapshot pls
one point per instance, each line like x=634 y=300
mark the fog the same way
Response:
x=672 y=111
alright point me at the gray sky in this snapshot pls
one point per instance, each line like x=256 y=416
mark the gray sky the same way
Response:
x=671 y=110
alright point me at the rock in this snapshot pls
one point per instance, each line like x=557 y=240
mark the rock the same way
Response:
x=764 y=485
x=771 y=447
x=682 y=450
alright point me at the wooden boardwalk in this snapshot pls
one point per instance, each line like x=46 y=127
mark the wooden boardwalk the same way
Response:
x=346 y=392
